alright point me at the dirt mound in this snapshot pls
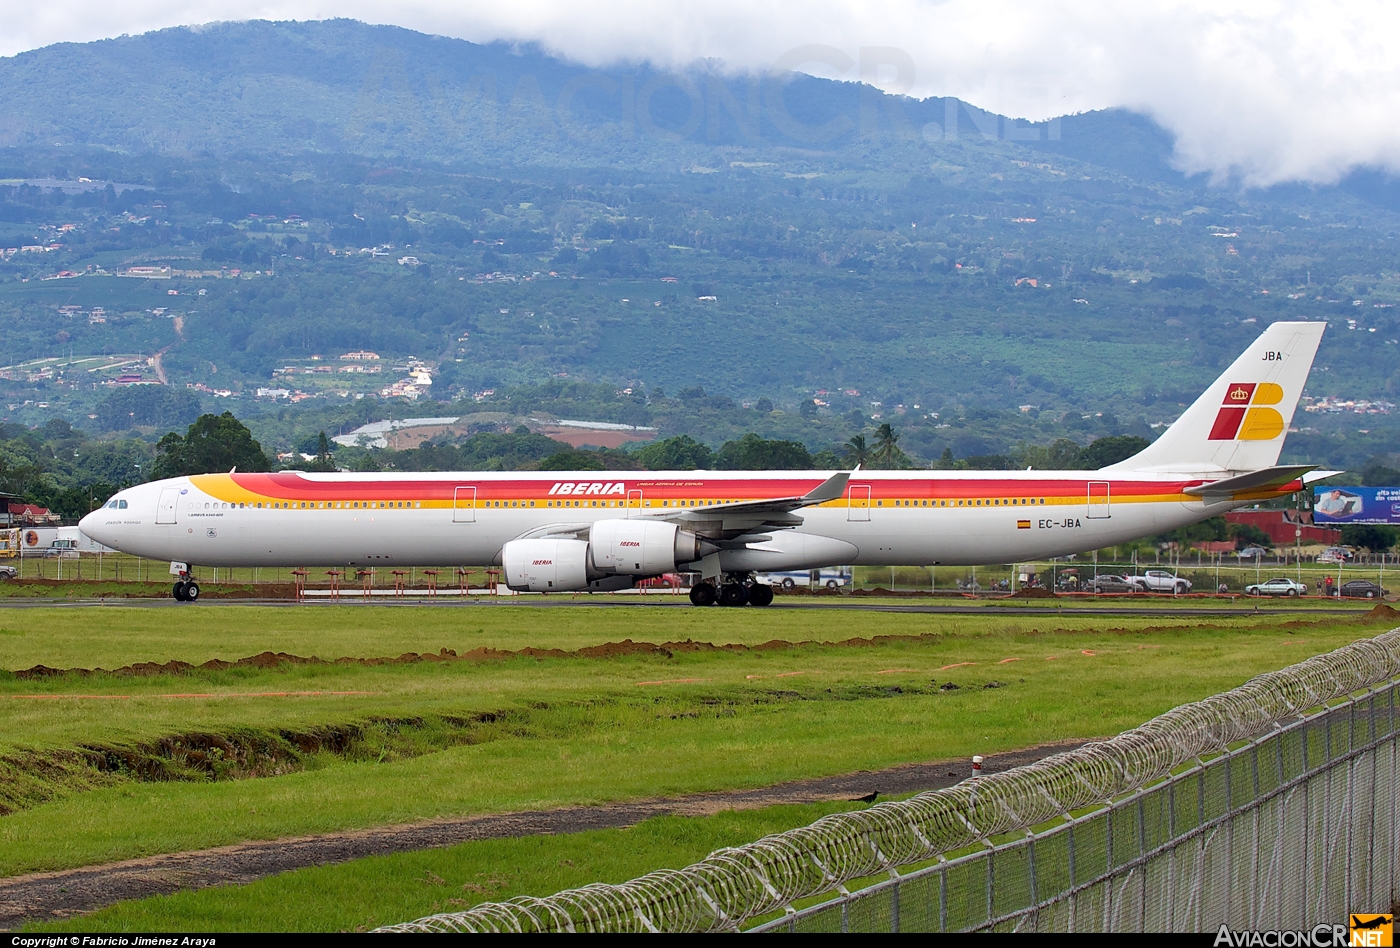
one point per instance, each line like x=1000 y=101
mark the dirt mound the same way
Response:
x=1034 y=592
x=1381 y=612
x=627 y=647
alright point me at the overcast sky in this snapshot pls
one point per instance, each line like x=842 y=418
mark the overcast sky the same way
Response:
x=1256 y=92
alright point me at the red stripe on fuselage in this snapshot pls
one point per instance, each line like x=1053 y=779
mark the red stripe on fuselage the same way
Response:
x=290 y=485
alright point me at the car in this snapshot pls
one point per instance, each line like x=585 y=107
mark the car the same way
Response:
x=1251 y=552
x=1278 y=586
x=8 y=572
x=1159 y=580
x=1111 y=583
x=1335 y=554
x=1362 y=589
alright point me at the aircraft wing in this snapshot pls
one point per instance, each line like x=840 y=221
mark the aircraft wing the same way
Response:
x=721 y=520
x=744 y=516
x=1269 y=477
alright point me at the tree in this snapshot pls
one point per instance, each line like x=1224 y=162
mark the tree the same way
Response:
x=945 y=461
x=886 y=454
x=1063 y=455
x=752 y=453
x=323 y=462
x=213 y=444
x=1379 y=473
x=857 y=451
x=572 y=460
x=1111 y=450
x=1246 y=535
x=681 y=453
x=1375 y=538
x=155 y=406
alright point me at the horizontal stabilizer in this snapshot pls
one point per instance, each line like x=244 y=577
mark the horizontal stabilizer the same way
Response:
x=1255 y=480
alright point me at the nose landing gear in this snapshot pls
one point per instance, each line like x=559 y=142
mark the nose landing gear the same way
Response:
x=186 y=590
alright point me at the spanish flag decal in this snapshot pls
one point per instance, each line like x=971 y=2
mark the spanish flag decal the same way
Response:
x=1023 y=524
x=1243 y=416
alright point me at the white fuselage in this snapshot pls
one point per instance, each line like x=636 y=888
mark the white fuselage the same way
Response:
x=884 y=518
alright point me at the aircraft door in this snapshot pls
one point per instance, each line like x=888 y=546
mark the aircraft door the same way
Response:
x=858 y=507
x=464 y=505
x=1099 y=500
x=167 y=505
x=634 y=502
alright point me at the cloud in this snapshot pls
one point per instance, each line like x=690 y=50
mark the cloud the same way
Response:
x=1255 y=92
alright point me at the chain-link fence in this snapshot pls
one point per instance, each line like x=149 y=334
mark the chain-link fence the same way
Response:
x=1271 y=806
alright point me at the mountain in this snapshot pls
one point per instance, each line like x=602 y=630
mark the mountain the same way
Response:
x=343 y=86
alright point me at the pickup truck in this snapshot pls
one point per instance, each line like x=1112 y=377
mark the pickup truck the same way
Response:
x=1159 y=580
x=8 y=572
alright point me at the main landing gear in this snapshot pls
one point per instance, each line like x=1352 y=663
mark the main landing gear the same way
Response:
x=186 y=590
x=733 y=591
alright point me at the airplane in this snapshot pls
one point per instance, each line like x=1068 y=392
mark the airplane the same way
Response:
x=606 y=530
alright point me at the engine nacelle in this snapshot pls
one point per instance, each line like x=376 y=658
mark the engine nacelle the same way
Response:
x=545 y=565
x=641 y=547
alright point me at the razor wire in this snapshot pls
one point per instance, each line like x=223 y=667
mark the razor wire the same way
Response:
x=732 y=886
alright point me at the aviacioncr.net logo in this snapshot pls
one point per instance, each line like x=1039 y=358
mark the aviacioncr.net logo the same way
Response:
x=1319 y=936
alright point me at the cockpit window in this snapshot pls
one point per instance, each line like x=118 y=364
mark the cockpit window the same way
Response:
x=112 y=504
x=121 y=504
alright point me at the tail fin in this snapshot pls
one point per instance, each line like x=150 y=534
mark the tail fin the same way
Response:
x=1240 y=422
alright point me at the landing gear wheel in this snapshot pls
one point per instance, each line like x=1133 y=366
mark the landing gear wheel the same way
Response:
x=702 y=594
x=178 y=592
x=760 y=595
x=191 y=591
x=733 y=594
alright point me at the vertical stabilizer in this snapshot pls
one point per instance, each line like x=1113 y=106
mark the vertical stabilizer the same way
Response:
x=1240 y=422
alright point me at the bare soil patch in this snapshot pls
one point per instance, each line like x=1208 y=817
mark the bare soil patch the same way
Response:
x=48 y=896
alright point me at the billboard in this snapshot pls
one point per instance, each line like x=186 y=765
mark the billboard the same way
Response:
x=1357 y=505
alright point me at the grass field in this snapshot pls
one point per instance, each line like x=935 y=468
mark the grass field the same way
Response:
x=210 y=756
x=136 y=576
x=382 y=890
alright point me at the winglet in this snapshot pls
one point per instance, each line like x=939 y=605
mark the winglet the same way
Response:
x=830 y=489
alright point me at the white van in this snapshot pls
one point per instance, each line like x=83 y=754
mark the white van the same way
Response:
x=830 y=577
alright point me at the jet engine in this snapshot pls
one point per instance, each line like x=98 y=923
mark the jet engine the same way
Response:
x=615 y=549
x=545 y=565
x=641 y=547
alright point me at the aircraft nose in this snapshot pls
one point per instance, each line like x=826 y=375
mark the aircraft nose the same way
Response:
x=94 y=525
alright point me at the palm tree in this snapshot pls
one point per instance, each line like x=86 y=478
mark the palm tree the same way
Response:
x=886 y=453
x=857 y=452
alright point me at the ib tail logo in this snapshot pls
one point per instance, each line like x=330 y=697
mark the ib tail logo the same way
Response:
x=1371 y=931
x=1243 y=415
